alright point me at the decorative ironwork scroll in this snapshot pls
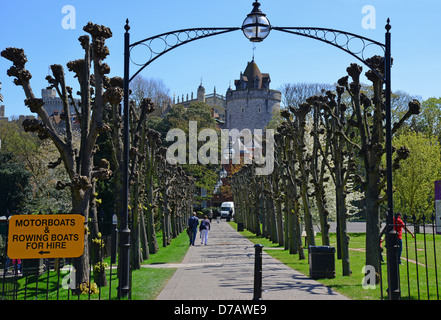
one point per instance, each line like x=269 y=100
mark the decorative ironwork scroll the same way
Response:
x=160 y=44
x=351 y=43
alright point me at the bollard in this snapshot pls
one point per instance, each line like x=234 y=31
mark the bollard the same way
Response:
x=258 y=272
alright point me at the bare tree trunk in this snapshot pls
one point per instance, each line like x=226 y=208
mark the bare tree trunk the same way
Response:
x=318 y=168
x=373 y=223
x=144 y=239
x=135 y=253
x=151 y=232
x=81 y=264
x=278 y=206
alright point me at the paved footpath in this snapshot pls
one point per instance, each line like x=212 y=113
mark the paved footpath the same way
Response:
x=224 y=270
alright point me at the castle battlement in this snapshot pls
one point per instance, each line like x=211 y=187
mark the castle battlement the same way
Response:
x=254 y=94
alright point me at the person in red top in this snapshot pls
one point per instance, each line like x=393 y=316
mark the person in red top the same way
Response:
x=398 y=227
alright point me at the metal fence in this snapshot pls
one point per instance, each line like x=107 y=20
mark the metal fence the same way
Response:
x=54 y=279
x=418 y=260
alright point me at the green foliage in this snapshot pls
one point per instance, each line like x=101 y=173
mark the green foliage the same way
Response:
x=429 y=119
x=14 y=139
x=85 y=289
x=15 y=187
x=35 y=155
x=178 y=118
x=414 y=179
x=100 y=267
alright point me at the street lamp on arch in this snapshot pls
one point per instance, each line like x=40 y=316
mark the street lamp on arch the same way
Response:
x=256 y=26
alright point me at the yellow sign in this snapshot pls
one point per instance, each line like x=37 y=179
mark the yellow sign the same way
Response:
x=46 y=236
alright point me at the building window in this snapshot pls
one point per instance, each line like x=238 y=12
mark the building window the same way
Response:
x=243 y=110
x=260 y=110
x=256 y=83
x=267 y=83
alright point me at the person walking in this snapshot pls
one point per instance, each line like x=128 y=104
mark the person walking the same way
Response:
x=193 y=223
x=17 y=266
x=204 y=229
x=398 y=226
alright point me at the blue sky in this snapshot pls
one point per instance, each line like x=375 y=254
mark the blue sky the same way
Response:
x=36 y=26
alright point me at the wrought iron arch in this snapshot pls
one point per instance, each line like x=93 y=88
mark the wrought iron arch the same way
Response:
x=174 y=39
x=329 y=36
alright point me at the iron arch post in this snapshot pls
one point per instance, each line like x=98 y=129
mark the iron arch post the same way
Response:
x=124 y=259
x=393 y=271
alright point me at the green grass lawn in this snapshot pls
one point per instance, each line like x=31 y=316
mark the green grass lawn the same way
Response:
x=148 y=282
x=351 y=286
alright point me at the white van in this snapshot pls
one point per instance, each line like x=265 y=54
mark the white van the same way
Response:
x=226 y=208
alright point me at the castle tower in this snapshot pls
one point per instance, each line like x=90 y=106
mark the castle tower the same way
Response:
x=252 y=104
x=201 y=93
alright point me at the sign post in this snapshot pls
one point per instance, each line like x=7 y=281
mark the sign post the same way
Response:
x=46 y=236
x=438 y=206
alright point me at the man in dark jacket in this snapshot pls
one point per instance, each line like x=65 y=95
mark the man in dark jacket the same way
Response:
x=193 y=223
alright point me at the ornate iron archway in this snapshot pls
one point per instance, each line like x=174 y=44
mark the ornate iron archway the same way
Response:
x=256 y=28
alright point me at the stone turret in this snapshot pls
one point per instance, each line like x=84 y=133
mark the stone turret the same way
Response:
x=201 y=93
x=252 y=104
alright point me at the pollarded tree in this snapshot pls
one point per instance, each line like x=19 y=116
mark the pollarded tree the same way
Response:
x=369 y=121
x=287 y=198
x=248 y=194
x=297 y=128
x=78 y=162
x=320 y=151
x=337 y=132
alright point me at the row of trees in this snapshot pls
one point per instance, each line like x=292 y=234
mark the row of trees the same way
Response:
x=332 y=141
x=91 y=157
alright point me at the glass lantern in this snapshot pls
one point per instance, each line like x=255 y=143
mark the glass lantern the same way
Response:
x=256 y=27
